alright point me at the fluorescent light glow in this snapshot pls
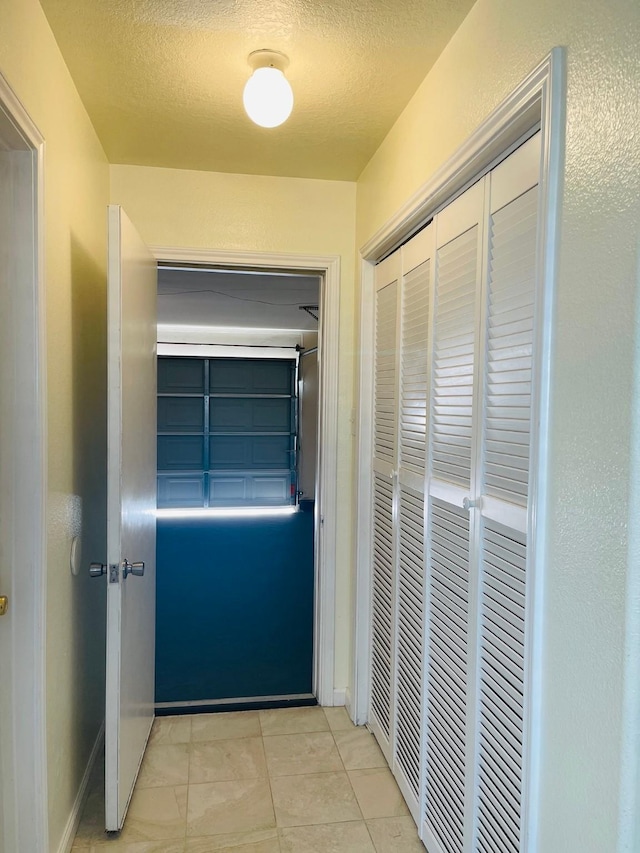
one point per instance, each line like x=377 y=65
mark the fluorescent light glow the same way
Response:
x=227 y=351
x=227 y=512
x=170 y=328
x=268 y=97
x=263 y=271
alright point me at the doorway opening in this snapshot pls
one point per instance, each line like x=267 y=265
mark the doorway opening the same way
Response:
x=239 y=520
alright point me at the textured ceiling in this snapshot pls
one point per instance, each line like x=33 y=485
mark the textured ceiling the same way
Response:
x=162 y=79
x=240 y=300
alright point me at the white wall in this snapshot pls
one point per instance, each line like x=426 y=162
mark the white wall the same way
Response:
x=593 y=545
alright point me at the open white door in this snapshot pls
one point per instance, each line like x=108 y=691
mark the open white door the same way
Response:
x=131 y=511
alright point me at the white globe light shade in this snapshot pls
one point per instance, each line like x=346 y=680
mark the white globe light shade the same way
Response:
x=268 y=97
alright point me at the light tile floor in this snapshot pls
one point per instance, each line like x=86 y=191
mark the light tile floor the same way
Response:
x=296 y=780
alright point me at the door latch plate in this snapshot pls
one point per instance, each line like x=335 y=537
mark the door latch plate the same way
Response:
x=114 y=572
x=4 y=604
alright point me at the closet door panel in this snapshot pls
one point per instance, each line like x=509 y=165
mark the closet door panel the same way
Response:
x=461 y=214
x=385 y=446
x=449 y=753
x=417 y=266
x=507 y=395
x=517 y=174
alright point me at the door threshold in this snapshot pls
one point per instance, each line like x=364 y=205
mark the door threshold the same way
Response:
x=243 y=703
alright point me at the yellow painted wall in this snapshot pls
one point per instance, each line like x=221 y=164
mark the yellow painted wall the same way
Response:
x=254 y=213
x=76 y=195
x=593 y=549
x=589 y=758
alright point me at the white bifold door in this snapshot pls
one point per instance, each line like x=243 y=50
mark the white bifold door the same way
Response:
x=456 y=390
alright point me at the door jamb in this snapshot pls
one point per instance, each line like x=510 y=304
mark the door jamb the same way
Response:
x=328 y=268
x=27 y=813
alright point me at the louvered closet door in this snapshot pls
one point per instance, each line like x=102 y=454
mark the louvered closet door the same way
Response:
x=417 y=266
x=508 y=338
x=384 y=464
x=455 y=400
x=450 y=627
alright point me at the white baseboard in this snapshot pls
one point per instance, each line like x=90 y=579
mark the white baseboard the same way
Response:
x=339 y=697
x=240 y=700
x=76 y=812
x=347 y=702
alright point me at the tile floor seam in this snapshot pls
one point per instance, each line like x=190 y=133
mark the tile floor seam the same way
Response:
x=313 y=773
x=186 y=812
x=273 y=805
x=335 y=743
x=281 y=829
x=373 y=843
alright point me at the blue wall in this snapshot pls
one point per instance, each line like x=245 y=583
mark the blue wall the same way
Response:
x=234 y=607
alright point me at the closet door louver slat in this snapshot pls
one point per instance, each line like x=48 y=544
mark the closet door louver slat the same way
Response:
x=384 y=537
x=453 y=359
x=382 y=602
x=410 y=647
x=413 y=368
x=447 y=676
x=384 y=446
x=501 y=685
x=511 y=283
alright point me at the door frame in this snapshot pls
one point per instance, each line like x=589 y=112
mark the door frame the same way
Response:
x=26 y=807
x=327 y=267
x=538 y=102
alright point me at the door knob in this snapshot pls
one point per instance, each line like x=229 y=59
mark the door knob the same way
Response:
x=96 y=570
x=468 y=503
x=4 y=604
x=136 y=569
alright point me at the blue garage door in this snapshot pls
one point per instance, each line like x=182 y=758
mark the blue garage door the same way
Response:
x=226 y=432
x=234 y=591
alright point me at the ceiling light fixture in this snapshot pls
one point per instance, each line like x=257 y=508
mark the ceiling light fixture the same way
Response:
x=268 y=97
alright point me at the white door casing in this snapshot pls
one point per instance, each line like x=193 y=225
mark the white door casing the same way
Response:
x=538 y=102
x=131 y=509
x=327 y=468
x=23 y=483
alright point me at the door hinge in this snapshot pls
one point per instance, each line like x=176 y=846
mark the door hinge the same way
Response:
x=114 y=573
